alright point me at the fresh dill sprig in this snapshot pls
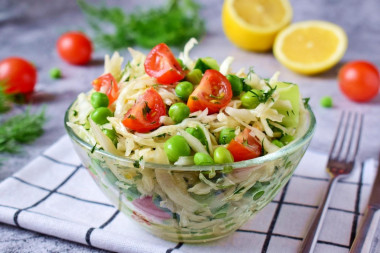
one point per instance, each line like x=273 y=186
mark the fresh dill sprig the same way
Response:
x=173 y=24
x=5 y=99
x=305 y=101
x=20 y=129
x=146 y=110
x=263 y=97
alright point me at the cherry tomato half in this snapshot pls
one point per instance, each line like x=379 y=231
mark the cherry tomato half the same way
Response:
x=161 y=64
x=213 y=92
x=145 y=115
x=19 y=75
x=359 y=81
x=107 y=84
x=75 y=48
x=244 y=146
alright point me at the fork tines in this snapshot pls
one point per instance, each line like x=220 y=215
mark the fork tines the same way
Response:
x=347 y=138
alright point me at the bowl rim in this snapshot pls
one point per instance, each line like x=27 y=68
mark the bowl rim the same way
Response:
x=282 y=152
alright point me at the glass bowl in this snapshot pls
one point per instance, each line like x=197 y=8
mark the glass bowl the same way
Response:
x=193 y=204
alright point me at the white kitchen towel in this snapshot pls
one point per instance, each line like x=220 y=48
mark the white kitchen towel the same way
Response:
x=55 y=195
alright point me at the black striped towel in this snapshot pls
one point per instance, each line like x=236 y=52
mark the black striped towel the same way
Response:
x=56 y=196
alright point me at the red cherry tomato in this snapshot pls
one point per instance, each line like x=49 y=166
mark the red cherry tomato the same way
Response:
x=108 y=85
x=145 y=115
x=213 y=92
x=19 y=75
x=244 y=147
x=162 y=65
x=359 y=81
x=75 y=48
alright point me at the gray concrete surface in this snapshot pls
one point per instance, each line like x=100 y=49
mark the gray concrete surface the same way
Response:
x=30 y=29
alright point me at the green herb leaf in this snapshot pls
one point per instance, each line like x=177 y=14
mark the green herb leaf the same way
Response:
x=264 y=96
x=136 y=163
x=306 y=101
x=5 y=99
x=146 y=110
x=19 y=129
x=173 y=24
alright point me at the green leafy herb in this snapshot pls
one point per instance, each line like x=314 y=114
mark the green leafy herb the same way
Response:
x=136 y=163
x=5 y=103
x=306 y=101
x=146 y=110
x=19 y=129
x=264 y=96
x=93 y=148
x=173 y=24
x=131 y=116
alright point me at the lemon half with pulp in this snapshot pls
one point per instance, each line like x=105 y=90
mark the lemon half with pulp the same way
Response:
x=253 y=24
x=310 y=47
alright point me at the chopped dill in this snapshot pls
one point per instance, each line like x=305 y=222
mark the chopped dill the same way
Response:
x=136 y=163
x=174 y=24
x=306 y=101
x=146 y=110
x=20 y=129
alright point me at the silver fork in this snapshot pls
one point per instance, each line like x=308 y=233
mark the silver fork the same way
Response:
x=341 y=162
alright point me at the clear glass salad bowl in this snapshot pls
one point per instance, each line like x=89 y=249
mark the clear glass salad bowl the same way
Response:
x=193 y=204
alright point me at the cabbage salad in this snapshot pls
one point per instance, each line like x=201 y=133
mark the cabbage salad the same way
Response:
x=164 y=110
x=159 y=109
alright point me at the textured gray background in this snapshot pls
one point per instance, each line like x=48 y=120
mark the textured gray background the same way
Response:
x=30 y=29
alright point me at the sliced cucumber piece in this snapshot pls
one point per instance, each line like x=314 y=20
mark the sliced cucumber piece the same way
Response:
x=206 y=63
x=290 y=92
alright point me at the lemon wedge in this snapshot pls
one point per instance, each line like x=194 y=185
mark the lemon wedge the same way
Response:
x=253 y=24
x=310 y=47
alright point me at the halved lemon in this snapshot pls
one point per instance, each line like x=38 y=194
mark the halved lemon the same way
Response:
x=253 y=24
x=310 y=47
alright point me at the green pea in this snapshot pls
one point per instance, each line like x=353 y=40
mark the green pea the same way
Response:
x=326 y=102
x=99 y=99
x=250 y=99
x=236 y=84
x=175 y=147
x=203 y=159
x=278 y=143
x=194 y=76
x=197 y=133
x=183 y=90
x=111 y=133
x=286 y=139
x=179 y=112
x=226 y=135
x=55 y=73
x=223 y=155
x=99 y=115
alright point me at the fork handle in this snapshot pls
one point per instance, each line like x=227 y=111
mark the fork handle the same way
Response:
x=310 y=240
x=361 y=237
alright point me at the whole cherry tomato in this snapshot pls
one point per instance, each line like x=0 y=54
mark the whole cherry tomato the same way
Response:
x=359 y=81
x=75 y=48
x=18 y=75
